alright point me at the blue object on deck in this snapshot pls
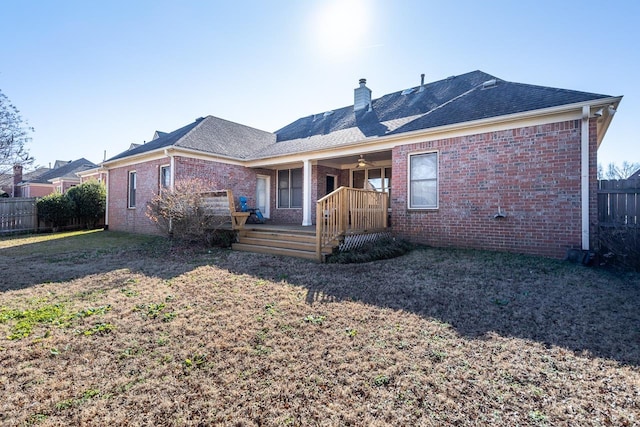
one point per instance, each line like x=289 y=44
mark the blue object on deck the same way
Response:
x=253 y=212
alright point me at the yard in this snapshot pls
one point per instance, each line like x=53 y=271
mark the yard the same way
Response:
x=105 y=328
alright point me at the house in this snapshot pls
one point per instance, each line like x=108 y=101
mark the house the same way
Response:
x=58 y=179
x=470 y=161
x=9 y=181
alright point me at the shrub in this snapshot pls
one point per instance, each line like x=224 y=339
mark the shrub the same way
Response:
x=55 y=208
x=179 y=213
x=89 y=200
x=384 y=248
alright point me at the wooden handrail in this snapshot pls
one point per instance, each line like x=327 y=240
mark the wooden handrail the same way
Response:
x=348 y=211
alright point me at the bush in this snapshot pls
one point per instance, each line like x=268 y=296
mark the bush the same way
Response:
x=179 y=213
x=89 y=200
x=56 y=208
x=384 y=248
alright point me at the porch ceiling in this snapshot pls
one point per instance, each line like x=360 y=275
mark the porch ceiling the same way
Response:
x=381 y=158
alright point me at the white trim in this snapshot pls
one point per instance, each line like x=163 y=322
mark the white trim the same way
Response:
x=135 y=188
x=160 y=186
x=418 y=153
x=335 y=181
x=584 y=175
x=267 y=210
x=306 y=193
x=106 y=208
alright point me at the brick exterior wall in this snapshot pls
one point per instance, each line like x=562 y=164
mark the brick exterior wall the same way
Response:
x=134 y=220
x=532 y=173
x=220 y=176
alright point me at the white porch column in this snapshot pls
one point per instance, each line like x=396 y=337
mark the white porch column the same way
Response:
x=306 y=193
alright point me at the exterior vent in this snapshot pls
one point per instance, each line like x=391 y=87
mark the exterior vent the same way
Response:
x=327 y=113
x=407 y=91
x=489 y=84
x=362 y=96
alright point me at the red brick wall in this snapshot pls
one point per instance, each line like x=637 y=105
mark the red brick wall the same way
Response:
x=532 y=173
x=220 y=176
x=134 y=220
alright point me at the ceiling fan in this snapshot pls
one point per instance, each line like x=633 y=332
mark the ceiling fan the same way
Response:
x=363 y=163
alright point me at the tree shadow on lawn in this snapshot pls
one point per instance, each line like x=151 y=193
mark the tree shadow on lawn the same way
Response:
x=589 y=311
x=64 y=258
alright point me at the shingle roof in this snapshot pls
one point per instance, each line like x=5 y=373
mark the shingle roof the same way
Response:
x=454 y=100
x=210 y=135
x=450 y=101
x=68 y=170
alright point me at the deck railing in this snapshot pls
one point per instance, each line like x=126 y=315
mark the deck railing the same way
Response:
x=348 y=211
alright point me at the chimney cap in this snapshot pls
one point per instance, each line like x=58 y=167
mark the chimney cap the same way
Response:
x=363 y=81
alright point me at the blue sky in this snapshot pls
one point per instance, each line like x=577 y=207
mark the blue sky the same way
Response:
x=93 y=76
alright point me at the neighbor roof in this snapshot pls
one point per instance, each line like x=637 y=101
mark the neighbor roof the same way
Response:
x=67 y=170
x=456 y=99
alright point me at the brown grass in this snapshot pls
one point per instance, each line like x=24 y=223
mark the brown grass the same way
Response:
x=149 y=334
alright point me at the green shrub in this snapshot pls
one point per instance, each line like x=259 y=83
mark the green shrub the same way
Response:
x=90 y=199
x=55 y=208
x=384 y=248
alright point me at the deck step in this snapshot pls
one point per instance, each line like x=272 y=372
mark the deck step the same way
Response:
x=274 y=251
x=275 y=235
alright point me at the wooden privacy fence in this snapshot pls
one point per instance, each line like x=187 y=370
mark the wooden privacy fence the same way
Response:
x=619 y=202
x=18 y=214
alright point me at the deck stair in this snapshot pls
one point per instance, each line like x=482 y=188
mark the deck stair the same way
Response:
x=289 y=241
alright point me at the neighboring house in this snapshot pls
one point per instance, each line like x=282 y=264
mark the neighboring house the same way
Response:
x=470 y=161
x=59 y=179
x=9 y=182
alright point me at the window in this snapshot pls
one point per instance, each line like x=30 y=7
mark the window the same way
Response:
x=165 y=177
x=290 y=188
x=378 y=179
x=423 y=181
x=132 y=189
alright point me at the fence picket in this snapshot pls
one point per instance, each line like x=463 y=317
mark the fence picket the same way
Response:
x=18 y=214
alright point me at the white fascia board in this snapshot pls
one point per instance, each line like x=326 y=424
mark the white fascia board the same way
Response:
x=163 y=153
x=202 y=155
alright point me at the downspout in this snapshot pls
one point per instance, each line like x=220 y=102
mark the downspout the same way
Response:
x=584 y=173
x=106 y=208
x=306 y=193
x=172 y=178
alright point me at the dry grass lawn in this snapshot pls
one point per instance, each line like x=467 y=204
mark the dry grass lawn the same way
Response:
x=109 y=329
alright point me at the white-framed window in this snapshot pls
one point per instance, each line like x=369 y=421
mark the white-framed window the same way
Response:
x=423 y=181
x=378 y=179
x=290 y=188
x=165 y=177
x=131 y=202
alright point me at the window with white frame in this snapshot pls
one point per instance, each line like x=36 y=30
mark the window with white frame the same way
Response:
x=165 y=177
x=423 y=181
x=290 y=188
x=132 y=189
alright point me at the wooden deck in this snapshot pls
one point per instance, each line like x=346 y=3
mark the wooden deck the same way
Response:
x=278 y=239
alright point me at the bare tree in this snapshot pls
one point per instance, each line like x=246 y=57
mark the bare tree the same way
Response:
x=14 y=134
x=613 y=171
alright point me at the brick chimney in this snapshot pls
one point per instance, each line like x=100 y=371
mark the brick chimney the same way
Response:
x=17 y=179
x=362 y=96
